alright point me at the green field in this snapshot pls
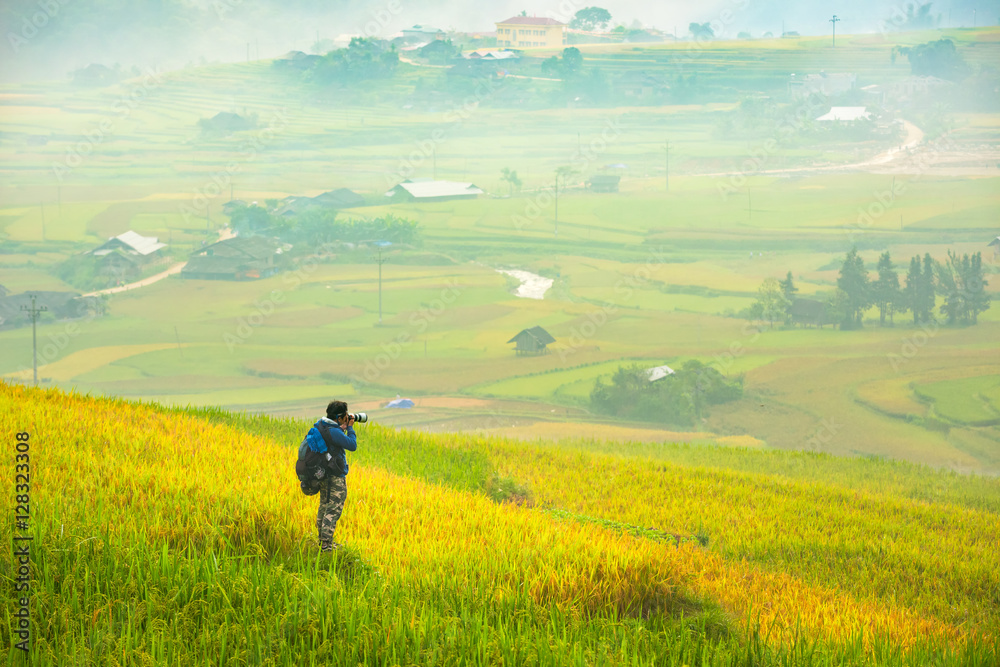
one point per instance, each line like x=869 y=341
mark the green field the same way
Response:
x=644 y=275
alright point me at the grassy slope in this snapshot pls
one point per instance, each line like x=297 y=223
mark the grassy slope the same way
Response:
x=179 y=551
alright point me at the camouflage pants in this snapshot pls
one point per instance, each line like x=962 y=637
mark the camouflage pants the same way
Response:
x=331 y=505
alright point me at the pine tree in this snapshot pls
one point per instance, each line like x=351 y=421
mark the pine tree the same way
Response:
x=885 y=290
x=853 y=280
x=926 y=292
x=949 y=284
x=911 y=294
x=975 y=284
x=788 y=287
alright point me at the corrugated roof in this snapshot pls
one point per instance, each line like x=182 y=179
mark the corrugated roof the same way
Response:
x=538 y=333
x=430 y=189
x=530 y=20
x=659 y=372
x=144 y=245
x=845 y=113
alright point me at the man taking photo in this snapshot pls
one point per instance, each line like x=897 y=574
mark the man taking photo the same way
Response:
x=332 y=436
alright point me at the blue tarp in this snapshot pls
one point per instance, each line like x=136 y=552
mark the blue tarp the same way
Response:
x=400 y=403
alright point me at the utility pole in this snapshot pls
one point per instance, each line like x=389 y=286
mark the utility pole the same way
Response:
x=380 y=262
x=834 y=21
x=556 y=232
x=666 y=164
x=34 y=311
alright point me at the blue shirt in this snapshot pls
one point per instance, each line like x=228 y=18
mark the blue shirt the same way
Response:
x=343 y=442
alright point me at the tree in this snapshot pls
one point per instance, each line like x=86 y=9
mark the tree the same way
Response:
x=911 y=294
x=977 y=298
x=364 y=59
x=885 y=290
x=771 y=304
x=676 y=399
x=590 y=18
x=572 y=60
x=853 y=280
x=926 y=294
x=919 y=17
x=250 y=220
x=938 y=58
x=961 y=283
x=788 y=288
x=701 y=30
x=510 y=176
x=569 y=64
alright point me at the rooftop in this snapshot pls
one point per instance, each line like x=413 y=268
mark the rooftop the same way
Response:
x=143 y=245
x=530 y=20
x=845 y=113
x=427 y=188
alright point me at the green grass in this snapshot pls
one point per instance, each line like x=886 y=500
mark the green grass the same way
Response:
x=972 y=400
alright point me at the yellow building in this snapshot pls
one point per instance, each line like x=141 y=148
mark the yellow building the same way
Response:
x=522 y=32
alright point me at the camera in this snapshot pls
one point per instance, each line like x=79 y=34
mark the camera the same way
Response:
x=359 y=417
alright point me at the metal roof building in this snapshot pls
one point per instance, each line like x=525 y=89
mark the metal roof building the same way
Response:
x=532 y=341
x=131 y=243
x=430 y=190
x=845 y=114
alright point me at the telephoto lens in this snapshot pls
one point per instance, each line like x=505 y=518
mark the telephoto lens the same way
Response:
x=360 y=417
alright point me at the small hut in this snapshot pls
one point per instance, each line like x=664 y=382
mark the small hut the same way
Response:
x=532 y=341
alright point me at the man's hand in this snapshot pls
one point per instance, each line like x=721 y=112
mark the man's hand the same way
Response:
x=350 y=421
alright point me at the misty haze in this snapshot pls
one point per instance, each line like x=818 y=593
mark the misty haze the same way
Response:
x=450 y=333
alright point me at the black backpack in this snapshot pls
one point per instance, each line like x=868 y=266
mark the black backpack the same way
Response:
x=313 y=468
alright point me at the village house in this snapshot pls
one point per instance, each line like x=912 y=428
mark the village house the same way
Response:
x=530 y=31
x=124 y=256
x=237 y=258
x=428 y=190
x=532 y=341
x=845 y=114
x=61 y=305
x=422 y=33
x=604 y=183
